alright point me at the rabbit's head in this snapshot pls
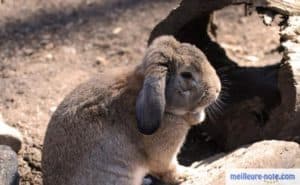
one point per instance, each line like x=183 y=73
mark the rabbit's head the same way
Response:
x=178 y=79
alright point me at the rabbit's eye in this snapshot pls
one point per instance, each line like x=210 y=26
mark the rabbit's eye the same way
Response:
x=186 y=75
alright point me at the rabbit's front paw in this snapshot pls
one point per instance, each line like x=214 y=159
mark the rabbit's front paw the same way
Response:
x=178 y=175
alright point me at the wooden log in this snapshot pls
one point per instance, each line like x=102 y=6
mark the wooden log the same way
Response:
x=280 y=154
x=270 y=105
x=189 y=9
x=267 y=102
x=290 y=36
x=256 y=118
x=185 y=13
x=286 y=7
x=258 y=96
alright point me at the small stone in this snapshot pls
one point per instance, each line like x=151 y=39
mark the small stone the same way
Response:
x=251 y=58
x=46 y=37
x=101 y=61
x=49 y=46
x=33 y=157
x=20 y=92
x=243 y=20
x=53 y=109
x=117 y=30
x=69 y=25
x=28 y=51
x=10 y=136
x=268 y=18
x=297 y=30
x=70 y=50
x=24 y=168
x=49 y=56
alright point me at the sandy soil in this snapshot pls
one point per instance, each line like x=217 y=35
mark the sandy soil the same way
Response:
x=49 y=47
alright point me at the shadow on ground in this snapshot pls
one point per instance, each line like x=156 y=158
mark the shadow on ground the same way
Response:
x=16 y=33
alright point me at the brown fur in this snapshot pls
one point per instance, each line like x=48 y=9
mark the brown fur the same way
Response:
x=93 y=138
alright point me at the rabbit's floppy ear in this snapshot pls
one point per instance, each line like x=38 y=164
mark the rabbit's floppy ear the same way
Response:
x=151 y=101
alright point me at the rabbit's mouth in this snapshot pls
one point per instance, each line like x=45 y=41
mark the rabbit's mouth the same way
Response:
x=178 y=112
x=209 y=96
x=181 y=112
x=208 y=99
x=197 y=106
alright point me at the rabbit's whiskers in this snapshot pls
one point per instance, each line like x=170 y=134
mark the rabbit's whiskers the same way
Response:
x=217 y=108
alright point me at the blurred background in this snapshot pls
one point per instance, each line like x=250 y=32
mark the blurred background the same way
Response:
x=47 y=47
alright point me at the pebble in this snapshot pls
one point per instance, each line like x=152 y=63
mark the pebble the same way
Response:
x=28 y=51
x=101 y=61
x=49 y=46
x=117 y=30
x=10 y=136
x=268 y=18
x=70 y=50
x=251 y=58
x=34 y=158
x=53 y=109
x=20 y=92
x=49 y=56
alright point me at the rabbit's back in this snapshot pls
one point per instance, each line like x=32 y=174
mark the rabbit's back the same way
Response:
x=95 y=117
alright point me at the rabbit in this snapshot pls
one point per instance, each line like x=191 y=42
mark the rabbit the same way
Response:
x=132 y=121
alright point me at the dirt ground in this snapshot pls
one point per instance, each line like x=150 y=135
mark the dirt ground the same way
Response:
x=49 y=47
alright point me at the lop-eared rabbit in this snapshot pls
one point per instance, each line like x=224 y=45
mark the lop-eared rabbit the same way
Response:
x=115 y=129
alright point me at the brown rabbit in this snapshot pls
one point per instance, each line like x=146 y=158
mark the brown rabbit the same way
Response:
x=115 y=129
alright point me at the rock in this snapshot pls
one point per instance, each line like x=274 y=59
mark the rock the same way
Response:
x=251 y=58
x=10 y=136
x=49 y=46
x=69 y=50
x=33 y=158
x=8 y=166
x=53 y=109
x=268 y=17
x=101 y=61
x=264 y=154
x=49 y=56
x=28 y=51
x=20 y=92
x=117 y=30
